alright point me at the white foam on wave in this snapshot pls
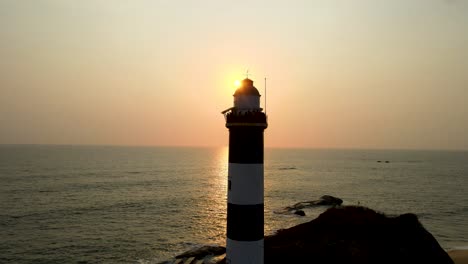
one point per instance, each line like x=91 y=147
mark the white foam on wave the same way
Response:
x=465 y=247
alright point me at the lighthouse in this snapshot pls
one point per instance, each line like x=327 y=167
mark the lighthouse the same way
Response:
x=246 y=122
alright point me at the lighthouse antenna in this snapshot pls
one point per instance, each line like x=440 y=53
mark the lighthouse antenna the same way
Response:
x=265 y=98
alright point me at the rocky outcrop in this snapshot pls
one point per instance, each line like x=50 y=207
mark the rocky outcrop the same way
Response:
x=299 y=213
x=347 y=234
x=326 y=200
x=201 y=252
x=353 y=234
x=329 y=200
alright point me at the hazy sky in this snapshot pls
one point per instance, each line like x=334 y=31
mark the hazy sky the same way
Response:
x=366 y=74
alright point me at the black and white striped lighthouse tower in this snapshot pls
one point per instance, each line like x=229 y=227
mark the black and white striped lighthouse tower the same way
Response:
x=246 y=123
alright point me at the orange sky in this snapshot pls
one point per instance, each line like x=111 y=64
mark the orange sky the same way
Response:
x=341 y=74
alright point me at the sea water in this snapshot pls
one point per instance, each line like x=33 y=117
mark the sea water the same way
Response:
x=93 y=204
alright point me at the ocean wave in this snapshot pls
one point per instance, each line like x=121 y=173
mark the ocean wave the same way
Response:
x=135 y=206
x=465 y=247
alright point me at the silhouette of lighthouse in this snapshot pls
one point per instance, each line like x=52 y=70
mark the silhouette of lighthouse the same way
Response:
x=246 y=123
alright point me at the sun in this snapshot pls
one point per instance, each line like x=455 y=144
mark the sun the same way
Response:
x=237 y=83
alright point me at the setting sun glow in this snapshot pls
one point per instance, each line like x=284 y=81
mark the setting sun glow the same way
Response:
x=126 y=72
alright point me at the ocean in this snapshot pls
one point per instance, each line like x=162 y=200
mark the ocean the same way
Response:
x=104 y=204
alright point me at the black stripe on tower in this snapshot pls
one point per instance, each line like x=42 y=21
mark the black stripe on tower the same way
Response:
x=245 y=222
x=246 y=144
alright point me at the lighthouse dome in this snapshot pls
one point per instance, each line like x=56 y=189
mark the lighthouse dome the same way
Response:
x=247 y=97
x=247 y=88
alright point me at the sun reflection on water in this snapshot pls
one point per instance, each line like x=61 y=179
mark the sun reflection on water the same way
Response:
x=221 y=163
x=211 y=212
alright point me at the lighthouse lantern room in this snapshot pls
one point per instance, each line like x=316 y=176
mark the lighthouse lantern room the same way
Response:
x=247 y=97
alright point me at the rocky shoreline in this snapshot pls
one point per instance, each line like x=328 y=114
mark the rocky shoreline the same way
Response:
x=344 y=234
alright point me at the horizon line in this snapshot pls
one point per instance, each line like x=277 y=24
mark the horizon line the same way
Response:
x=225 y=146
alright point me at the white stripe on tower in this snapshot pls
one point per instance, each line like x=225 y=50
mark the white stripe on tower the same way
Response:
x=248 y=178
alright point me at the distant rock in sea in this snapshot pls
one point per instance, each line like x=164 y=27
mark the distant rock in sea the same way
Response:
x=287 y=168
x=299 y=213
x=200 y=255
x=326 y=200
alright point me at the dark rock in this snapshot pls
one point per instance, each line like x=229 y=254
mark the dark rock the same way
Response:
x=349 y=234
x=299 y=212
x=287 y=168
x=326 y=200
x=329 y=200
x=353 y=234
x=203 y=251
